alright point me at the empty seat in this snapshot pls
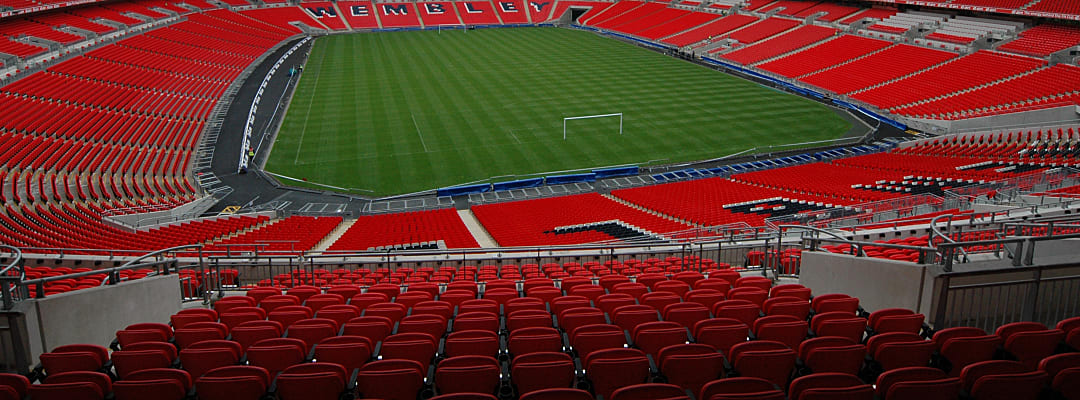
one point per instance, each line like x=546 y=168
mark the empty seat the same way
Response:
x=610 y=369
x=66 y=391
x=248 y=333
x=467 y=374
x=199 y=331
x=650 y=337
x=557 y=394
x=832 y=354
x=764 y=359
x=393 y=311
x=527 y=319
x=237 y=382
x=126 y=362
x=351 y=352
x=277 y=354
x=899 y=349
x=838 y=323
x=419 y=347
x=1029 y=342
x=721 y=333
x=479 y=305
x=165 y=384
x=916 y=383
x=477 y=343
x=743 y=387
x=834 y=302
x=18 y=385
x=649 y=391
x=690 y=366
x=591 y=338
x=781 y=328
x=630 y=316
x=784 y=305
x=477 y=320
x=375 y=328
x=1067 y=383
x=102 y=381
x=316 y=302
x=391 y=379
x=534 y=340
x=963 y=346
x=542 y=370
x=239 y=315
x=998 y=379
x=895 y=320
x=742 y=310
x=705 y=297
x=686 y=314
x=74 y=357
x=829 y=386
x=316 y=381
x=574 y=318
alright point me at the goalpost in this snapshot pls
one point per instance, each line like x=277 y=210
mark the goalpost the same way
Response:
x=565 y=120
x=462 y=27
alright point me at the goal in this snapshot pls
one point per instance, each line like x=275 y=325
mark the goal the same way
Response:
x=568 y=119
x=452 y=27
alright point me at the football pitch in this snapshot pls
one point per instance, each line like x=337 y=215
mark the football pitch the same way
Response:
x=401 y=112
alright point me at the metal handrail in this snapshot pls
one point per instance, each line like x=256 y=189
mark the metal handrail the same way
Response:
x=114 y=272
x=7 y=281
x=934 y=231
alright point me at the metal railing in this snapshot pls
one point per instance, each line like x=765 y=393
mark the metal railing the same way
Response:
x=164 y=262
x=990 y=298
x=9 y=282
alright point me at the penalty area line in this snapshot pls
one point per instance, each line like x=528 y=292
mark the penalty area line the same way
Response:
x=418 y=132
x=515 y=137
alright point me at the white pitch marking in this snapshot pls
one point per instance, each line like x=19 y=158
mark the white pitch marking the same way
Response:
x=418 y=132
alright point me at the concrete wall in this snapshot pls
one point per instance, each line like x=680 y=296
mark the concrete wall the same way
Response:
x=878 y=283
x=1057 y=115
x=94 y=315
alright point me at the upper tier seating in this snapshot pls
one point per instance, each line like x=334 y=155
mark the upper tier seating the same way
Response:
x=1041 y=88
x=965 y=72
x=892 y=63
x=1043 y=39
x=359 y=14
x=798 y=38
x=833 y=52
x=715 y=28
x=672 y=27
x=762 y=29
x=1063 y=7
x=832 y=11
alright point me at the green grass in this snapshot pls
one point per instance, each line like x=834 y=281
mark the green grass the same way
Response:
x=400 y=112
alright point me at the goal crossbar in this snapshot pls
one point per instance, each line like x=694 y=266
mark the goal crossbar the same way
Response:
x=565 y=120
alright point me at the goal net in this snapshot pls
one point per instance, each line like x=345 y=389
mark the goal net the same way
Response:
x=452 y=27
x=567 y=120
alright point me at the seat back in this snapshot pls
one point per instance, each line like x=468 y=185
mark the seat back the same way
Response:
x=233 y=382
x=542 y=370
x=649 y=391
x=351 y=352
x=611 y=369
x=390 y=379
x=467 y=374
x=316 y=381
